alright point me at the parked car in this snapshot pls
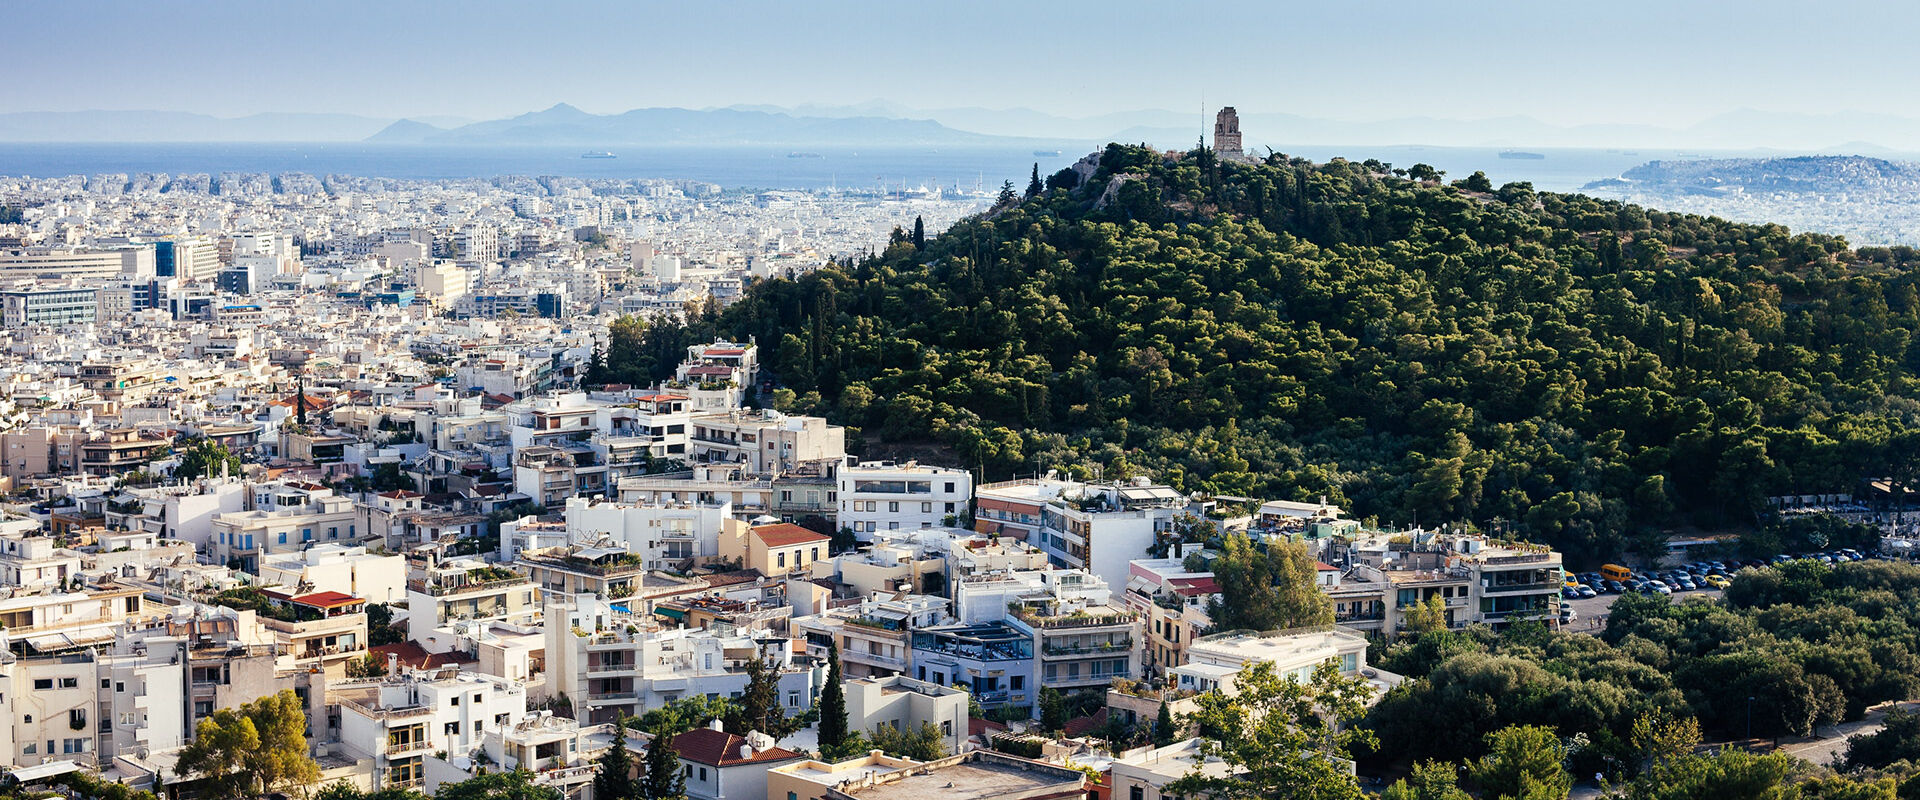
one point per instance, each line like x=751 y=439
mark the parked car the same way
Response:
x=1616 y=587
x=1718 y=581
x=1588 y=591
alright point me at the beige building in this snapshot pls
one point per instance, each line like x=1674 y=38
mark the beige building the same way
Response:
x=775 y=549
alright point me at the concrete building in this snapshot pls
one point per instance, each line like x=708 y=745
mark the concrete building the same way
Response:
x=401 y=720
x=995 y=660
x=903 y=703
x=333 y=567
x=881 y=495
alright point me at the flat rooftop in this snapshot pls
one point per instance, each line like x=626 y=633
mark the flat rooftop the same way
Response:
x=969 y=781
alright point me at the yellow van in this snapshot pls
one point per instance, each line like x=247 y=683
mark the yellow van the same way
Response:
x=1615 y=572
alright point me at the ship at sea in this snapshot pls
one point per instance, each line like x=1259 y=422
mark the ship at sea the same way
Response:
x=598 y=154
x=1047 y=153
x=1522 y=154
x=798 y=154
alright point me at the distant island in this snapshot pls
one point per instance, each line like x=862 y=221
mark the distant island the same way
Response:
x=1871 y=201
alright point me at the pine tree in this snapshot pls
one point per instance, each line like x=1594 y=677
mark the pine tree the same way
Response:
x=919 y=233
x=760 y=704
x=1034 y=188
x=663 y=780
x=1053 y=710
x=1163 y=726
x=833 y=707
x=1007 y=197
x=614 y=780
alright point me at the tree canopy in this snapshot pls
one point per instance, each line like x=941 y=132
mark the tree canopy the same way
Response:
x=1567 y=369
x=258 y=749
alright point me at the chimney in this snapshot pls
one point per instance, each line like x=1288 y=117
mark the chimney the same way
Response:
x=715 y=725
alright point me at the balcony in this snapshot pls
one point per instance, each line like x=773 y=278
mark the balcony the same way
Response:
x=1078 y=619
x=1541 y=587
x=406 y=748
x=1094 y=648
x=874 y=659
x=326 y=652
x=620 y=668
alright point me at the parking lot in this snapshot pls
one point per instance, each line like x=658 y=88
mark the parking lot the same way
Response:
x=1594 y=609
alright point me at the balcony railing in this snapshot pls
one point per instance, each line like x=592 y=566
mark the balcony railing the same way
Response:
x=1542 y=587
x=402 y=712
x=874 y=658
x=402 y=748
x=1089 y=649
x=1076 y=620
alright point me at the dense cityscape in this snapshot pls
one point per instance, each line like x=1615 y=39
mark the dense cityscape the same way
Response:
x=845 y=401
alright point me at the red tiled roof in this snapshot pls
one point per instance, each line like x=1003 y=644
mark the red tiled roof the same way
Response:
x=786 y=534
x=726 y=351
x=413 y=655
x=1194 y=587
x=722 y=749
x=400 y=494
x=981 y=727
x=1081 y=726
x=327 y=599
x=1323 y=566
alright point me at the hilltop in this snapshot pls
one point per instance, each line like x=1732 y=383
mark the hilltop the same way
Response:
x=1573 y=370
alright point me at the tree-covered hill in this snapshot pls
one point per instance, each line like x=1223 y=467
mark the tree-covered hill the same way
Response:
x=1556 y=366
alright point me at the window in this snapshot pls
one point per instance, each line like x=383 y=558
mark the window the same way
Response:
x=42 y=683
x=703 y=773
x=30 y=748
x=893 y=506
x=1019 y=682
x=780 y=559
x=453 y=729
x=283 y=537
x=814 y=555
x=453 y=702
x=69 y=683
x=948 y=486
x=926 y=508
x=1136 y=793
x=793 y=699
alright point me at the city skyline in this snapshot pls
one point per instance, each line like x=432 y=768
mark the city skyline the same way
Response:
x=1643 y=63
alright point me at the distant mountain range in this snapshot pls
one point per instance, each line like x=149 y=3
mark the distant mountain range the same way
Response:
x=884 y=123
x=564 y=124
x=1824 y=175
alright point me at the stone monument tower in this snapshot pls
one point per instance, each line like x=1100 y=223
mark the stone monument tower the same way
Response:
x=1226 y=134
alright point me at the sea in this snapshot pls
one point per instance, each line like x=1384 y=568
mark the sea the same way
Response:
x=748 y=167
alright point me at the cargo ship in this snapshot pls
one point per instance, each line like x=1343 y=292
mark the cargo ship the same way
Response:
x=598 y=154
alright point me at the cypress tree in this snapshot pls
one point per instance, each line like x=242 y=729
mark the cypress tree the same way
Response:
x=1053 y=710
x=833 y=707
x=614 y=781
x=1033 y=184
x=919 y=233
x=663 y=781
x=1163 y=727
x=1006 y=194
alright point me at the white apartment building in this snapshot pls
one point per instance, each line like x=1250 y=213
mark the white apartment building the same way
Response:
x=665 y=535
x=458 y=600
x=882 y=495
x=33 y=560
x=347 y=569
x=402 y=720
x=626 y=664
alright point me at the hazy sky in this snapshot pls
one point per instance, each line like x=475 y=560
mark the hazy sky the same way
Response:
x=1669 y=62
